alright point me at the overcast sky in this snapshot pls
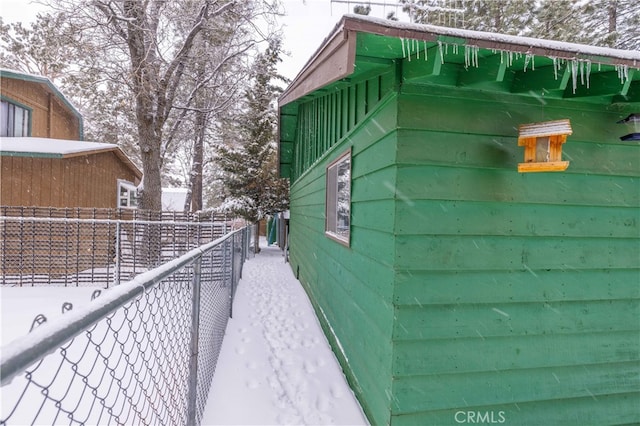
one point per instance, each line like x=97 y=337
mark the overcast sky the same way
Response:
x=307 y=24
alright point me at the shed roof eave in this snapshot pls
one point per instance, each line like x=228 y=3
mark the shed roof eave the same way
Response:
x=535 y=46
x=332 y=61
x=347 y=28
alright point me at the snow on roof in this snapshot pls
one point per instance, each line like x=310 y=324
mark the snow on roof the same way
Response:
x=173 y=198
x=59 y=148
x=341 y=36
x=571 y=49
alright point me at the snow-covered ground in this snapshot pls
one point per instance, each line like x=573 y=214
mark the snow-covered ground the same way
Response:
x=20 y=305
x=276 y=365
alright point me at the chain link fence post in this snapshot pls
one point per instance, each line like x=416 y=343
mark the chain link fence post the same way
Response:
x=195 y=342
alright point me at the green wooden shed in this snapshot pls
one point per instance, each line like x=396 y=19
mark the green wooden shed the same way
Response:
x=465 y=217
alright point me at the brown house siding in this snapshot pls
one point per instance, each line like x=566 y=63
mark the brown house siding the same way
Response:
x=50 y=118
x=79 y=181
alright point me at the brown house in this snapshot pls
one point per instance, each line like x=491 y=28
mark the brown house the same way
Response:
x=32 y=106
x=60 y=173
x=41 y=172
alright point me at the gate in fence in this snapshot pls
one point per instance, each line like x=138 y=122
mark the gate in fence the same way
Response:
x=82 y=246
x=143 y=352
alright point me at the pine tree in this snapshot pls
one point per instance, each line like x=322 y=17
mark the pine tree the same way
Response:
x=611 y=23
x=503 y=16
x=252 y=188
x=362 y=10
x=557 y=20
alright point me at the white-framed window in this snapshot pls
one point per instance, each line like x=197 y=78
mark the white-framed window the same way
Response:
x=338 y=203
x=14 y=119
x=127 y=194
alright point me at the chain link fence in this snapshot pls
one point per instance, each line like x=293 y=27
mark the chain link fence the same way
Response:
x=88 y=247
x=143 y=352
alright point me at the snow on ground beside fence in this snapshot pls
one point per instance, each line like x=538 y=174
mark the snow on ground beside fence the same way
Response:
x=20 y=305
x=276 y=365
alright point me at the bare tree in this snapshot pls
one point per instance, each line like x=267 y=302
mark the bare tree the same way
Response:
x=147 y=48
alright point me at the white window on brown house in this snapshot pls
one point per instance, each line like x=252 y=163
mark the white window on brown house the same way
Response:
x=338 y=203
x=14 y=120
x=127 y=194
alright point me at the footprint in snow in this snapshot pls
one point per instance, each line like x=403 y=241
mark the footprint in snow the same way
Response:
x=309 y=367
x=322 y=403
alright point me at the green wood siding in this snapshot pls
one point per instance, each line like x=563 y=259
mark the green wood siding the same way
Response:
x=351 y=287
x=469 y=288
x=326 y=119
x=514 y=293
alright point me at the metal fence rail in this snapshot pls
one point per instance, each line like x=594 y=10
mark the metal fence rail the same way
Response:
x=77 y=247
x=143 y=352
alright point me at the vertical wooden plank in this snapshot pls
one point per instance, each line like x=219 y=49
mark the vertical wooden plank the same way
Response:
x=353 y=91
x=45 y=182
x=373 y=93
x=68 y=193
x=16 y=171
x=325 y=125
x=332 y=128
x=345 y=111
x=57 y=180
x=339 y=115
x=5 y=180
x=26 y=193
x=36 y=181
x=361 y=101
x=301 y=139
x=90 y=165
x=317 y=131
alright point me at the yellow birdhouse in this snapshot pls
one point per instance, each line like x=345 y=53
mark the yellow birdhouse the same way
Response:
x=543 y=146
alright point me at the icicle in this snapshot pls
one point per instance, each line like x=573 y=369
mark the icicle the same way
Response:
x=409 y=50
x=466 y=57
x=471 y=56
x=403 y=51
x=417 y=49
x=588 y=64
x=574 y=74
x=441 y=52
x=425 y=49
x=623 y=73
x=555 y=68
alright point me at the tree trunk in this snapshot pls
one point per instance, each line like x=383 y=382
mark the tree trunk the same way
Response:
x=613 y=22
x=151 y=200
x=195 y=176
